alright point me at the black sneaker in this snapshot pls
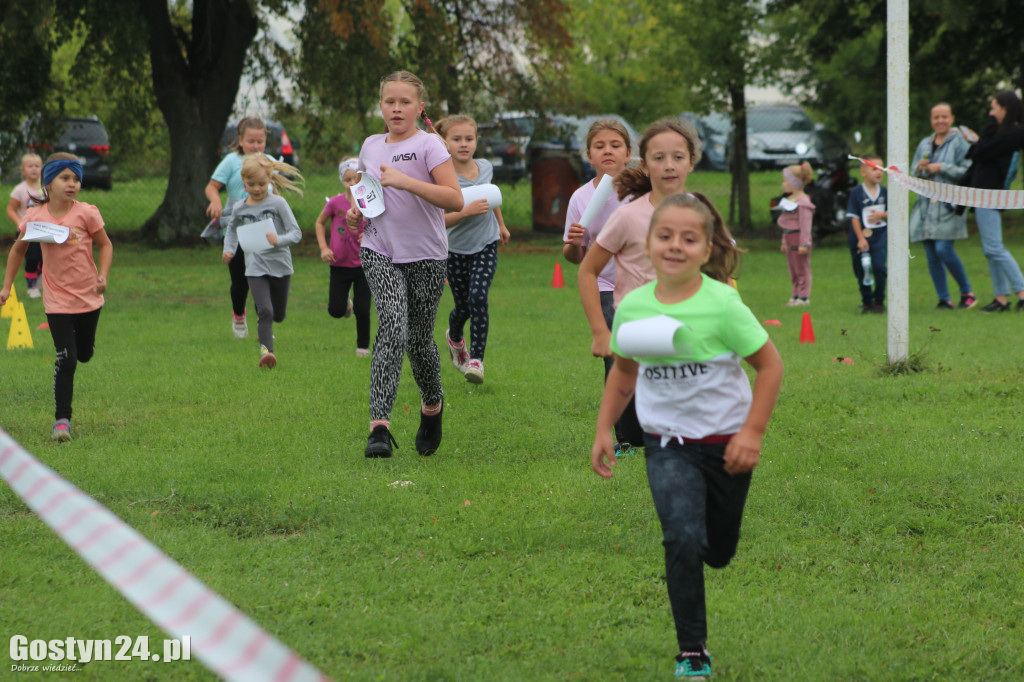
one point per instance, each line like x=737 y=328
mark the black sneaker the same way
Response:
x=379 y=443
x=966 y=301
x=1020 y=305
x=428 y=436
x=996 y=307
x=694 y=665
x=878 y=308
x=945 y=305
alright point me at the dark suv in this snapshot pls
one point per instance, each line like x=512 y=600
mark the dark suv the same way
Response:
x=279 y=145
x=87 y=139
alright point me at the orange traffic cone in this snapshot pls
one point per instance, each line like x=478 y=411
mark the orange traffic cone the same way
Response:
x=557 y=282
x=806 y=330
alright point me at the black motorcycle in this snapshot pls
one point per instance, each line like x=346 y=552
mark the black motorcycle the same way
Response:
x=829 y=193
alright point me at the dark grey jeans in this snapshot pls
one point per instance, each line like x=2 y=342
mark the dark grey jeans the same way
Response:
x=700 y=507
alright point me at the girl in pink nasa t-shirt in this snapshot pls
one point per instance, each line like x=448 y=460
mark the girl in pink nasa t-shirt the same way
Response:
x=404 y=255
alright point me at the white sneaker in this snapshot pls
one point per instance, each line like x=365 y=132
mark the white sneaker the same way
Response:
x=348 y=309
x=458 y=354
x=35 y=292
x=239 y=326
x=474 y=371
x=362 y=352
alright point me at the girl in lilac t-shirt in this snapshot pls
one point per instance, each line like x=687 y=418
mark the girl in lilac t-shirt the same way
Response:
x=341 y=251
x=404 y=255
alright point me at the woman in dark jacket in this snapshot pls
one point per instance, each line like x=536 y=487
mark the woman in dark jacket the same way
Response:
x=992 y=153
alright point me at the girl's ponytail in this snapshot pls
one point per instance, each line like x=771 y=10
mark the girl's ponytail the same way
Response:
x=426 y=121
x=280 y=173
x=632 y=182
x=725 y=255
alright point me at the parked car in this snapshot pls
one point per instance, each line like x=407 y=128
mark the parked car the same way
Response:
x=713 y=129
x=504 y=143
x=781 y=135
x=279 y=144
x=87 y=139
x=559 y=131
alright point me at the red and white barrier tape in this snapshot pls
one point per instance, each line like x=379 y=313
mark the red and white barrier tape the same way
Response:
x=953 y=194
x=223 y=638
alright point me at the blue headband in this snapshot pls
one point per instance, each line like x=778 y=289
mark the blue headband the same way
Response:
x=53 y=169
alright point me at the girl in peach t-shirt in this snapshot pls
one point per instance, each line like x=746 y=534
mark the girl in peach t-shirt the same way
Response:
x=669 y=150
x=72 y=286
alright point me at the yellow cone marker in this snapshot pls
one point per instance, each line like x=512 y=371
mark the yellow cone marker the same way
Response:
x=20 y=336
x=7 y=310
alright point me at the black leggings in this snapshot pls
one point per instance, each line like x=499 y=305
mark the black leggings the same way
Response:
x=337 y=302
x=406 y=296
x=74 y=340
x=470 y=276
x=33 y=262
x=627 y=429
x=239 y=282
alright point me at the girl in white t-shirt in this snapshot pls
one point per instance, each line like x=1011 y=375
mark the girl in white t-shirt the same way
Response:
x=703 y=425
x=25 y=195
x=404 y=255
x=608 y=150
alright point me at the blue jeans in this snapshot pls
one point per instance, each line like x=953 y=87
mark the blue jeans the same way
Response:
x=879 y=251
x=941 y=257
x=700 y=507
x=1006 y=275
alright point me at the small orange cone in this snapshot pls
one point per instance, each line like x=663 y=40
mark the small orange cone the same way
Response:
x=557 y=282
x=806 y=330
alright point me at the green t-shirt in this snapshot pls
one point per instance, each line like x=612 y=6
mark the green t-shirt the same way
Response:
x=701 y=390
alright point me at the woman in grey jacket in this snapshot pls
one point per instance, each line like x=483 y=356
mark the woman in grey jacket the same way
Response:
x=940 y=157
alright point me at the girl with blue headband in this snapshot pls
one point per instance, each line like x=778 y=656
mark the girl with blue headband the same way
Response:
x=72 y=285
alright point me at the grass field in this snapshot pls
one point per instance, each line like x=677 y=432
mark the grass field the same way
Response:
x=882 y=539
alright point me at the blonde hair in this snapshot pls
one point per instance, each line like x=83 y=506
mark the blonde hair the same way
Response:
x=412 y=79
x=725 y=255
x=448 y=122
x=30 y=155
x=247 y=123
x=275 y=170
x=802 y=172
x=636 y=182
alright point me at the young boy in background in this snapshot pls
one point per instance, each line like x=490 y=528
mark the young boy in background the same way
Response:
x=867 y=236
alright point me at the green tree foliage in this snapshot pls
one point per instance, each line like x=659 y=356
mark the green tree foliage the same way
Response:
x=960 y=52
x=24 y=43
x=627 y=60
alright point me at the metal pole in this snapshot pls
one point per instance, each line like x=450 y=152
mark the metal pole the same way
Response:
x=897 y=123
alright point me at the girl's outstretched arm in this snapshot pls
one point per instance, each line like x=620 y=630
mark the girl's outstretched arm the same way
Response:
x=12 y=212
x=593 y=263
x=14 y=259
x=212 y=192
x=503 y=232
x=618 y=389
x=444 y=192
x=322 y=220
x=102 y=240
x=744 y=450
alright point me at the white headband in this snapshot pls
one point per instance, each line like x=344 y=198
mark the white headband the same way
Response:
x=347 y=165
x=792 y=179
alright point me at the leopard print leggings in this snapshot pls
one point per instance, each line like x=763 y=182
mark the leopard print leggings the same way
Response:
x=406 y=296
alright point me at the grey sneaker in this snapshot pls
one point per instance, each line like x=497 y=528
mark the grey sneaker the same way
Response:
x=61 y=431
x=474 y=371
x=239 y=326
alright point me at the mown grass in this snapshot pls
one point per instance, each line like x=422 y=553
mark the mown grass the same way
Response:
x=881 y=540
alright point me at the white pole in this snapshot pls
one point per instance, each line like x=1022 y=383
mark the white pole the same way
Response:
x=897 y=124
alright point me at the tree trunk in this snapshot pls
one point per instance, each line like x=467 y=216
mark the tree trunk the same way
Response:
x=196 y=80
x=740 y=168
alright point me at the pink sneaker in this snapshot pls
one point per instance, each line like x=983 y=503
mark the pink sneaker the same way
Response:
x=458 y=353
